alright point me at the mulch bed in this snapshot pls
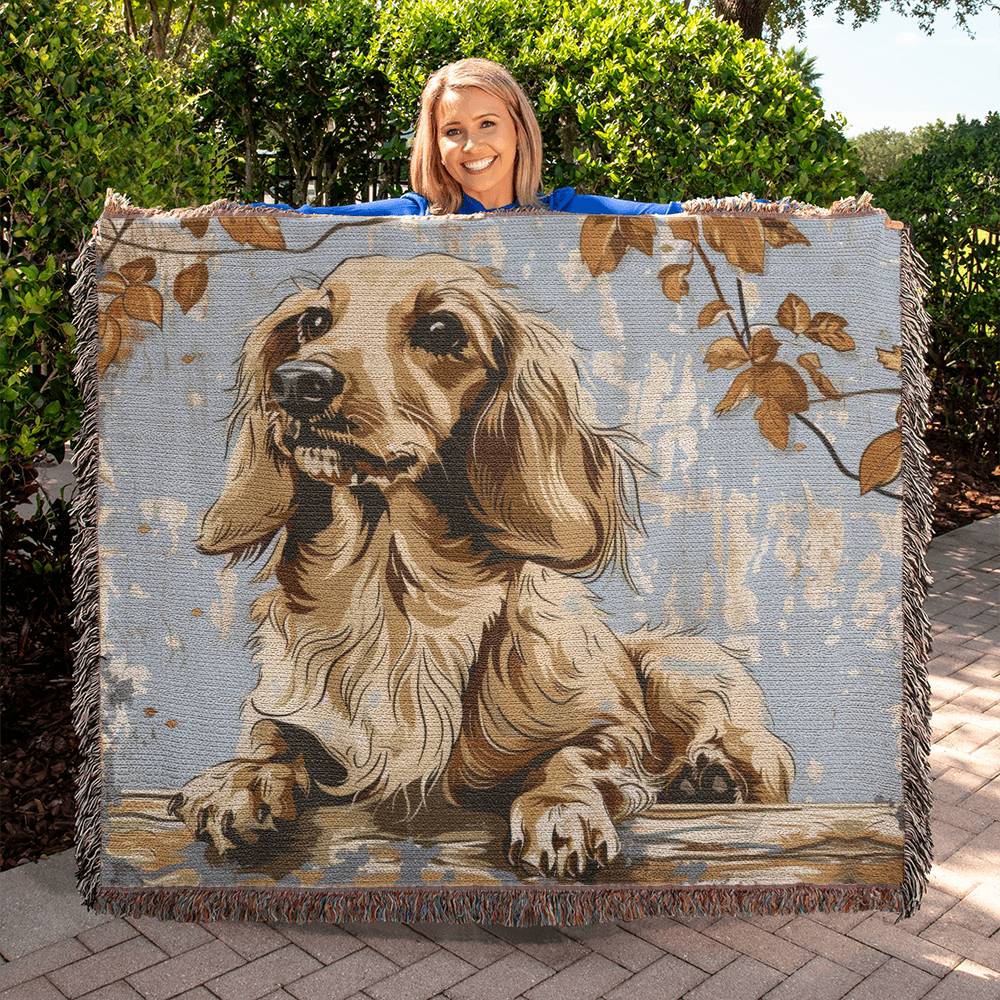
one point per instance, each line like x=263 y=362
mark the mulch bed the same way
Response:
x=39 y=743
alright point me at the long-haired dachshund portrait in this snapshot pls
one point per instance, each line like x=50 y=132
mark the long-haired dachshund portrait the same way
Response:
x=431 y=461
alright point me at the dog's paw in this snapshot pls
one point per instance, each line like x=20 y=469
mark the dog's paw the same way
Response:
x=238 y=803
x=559 y=837
x=711 y=778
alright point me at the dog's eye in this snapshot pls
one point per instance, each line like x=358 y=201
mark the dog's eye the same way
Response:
x=314 y=322
x=440 y=333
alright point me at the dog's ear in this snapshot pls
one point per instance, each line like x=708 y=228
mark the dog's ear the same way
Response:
x=257 y=498
x=549 y=484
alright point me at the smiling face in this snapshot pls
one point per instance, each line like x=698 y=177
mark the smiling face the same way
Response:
x=378 y=366
x=477 y=140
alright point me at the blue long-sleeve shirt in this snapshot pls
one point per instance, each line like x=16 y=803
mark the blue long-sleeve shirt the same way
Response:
x=564 y=199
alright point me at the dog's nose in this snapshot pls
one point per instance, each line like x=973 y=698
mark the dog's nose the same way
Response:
x=303 y=388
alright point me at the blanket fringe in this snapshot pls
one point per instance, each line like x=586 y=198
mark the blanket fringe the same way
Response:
x=513 y=907
x=918 y=511
x=86 y=704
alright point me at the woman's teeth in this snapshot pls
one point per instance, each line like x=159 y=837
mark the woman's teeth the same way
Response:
x=477 y=166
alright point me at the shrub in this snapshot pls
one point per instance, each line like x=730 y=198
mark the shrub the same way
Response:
x=84 y=110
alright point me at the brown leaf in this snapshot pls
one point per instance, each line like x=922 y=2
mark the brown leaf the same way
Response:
x=602 y=245
x=255 y=230
x=881 y=460
x=116 y=334
x=190 y=285
x=793 y=314
x=139 y=271
x=899 y=414
x=684 y=229
x=711 y=312
x=673 y=281
x=741 y=388
x=811 y=363
x=112 y=283
x=893 y=360
x=783 y=384
x=773 y=422
x=763 y=346
x=198 y=227
x=780 y=232
x=741 y=240
x=828 y=328
x=726 y=352
x=145 y=303
x=638 y=231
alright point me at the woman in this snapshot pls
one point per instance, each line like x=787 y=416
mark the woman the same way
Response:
x=478 y=148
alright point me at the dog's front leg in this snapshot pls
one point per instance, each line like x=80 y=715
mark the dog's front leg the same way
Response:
x=238 y=802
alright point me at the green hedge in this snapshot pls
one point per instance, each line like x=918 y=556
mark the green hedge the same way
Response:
x=949 y=192
x=84 y=110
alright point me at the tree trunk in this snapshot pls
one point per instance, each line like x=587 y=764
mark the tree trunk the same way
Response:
x=748 y=14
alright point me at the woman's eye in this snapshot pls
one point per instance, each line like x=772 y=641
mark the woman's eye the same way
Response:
x=486 y=122
x=440 y=333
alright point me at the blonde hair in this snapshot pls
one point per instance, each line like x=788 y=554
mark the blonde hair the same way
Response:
x=427 y=173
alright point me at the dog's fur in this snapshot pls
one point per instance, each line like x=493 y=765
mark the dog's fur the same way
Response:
x=431 y=628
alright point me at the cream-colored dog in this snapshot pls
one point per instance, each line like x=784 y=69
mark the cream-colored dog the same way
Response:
x=431 y=462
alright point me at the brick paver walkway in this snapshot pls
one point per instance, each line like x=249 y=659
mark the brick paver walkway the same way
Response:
x=52 y=947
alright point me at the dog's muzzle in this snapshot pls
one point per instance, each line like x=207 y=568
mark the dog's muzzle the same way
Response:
x=304 y=388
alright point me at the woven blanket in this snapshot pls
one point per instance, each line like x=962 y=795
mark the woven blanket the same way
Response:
x=518 y=567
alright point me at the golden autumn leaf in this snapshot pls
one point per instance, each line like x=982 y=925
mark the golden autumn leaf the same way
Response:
x=783 y=384
x=190 y=285
x=254 y=230
x=726 y=352
x=145 y=303
x=793 y=314
x=741 y=240
x=881 y=461
x=684 y=229
x=828 y=328
x=893 y=360
x=139 y=271
x=711 y=312
x=604 y=239
x=741 y=388
x=673 y=281
x=772 y=419
x=197 y=227
x=811 y=363
x=112 y=283
x=116 y=335
x=763 y=346
x=780 y=232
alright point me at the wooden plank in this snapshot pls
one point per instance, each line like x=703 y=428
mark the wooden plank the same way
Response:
x=822 y=843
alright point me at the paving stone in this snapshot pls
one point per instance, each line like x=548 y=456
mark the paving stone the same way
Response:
x=107 y=935
x=918 y=951
x=423 y=979
x=106 y=966
x=933 y=905
x=965 y=942
x=967 y=981
x=327 y=942
x=182 y=972
x=778 y=952
x=397 y=942
x=33 y=989
x=831 y=944
x=587 y=979
x=616 y=943
x=818 y=979
x=346 y=976
x=743 y=979
x=546 y=944
x=957 y=816
x=505 y=979
x=690 y=945
x=468 y=941
x=42 y=905
x=668 y=978
x=122 y=991
x=895 y=980
x=263 y=974
x=985 y=799
x=37 y=963
x=171 y=936
x=979 y=910
x=249 y=938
